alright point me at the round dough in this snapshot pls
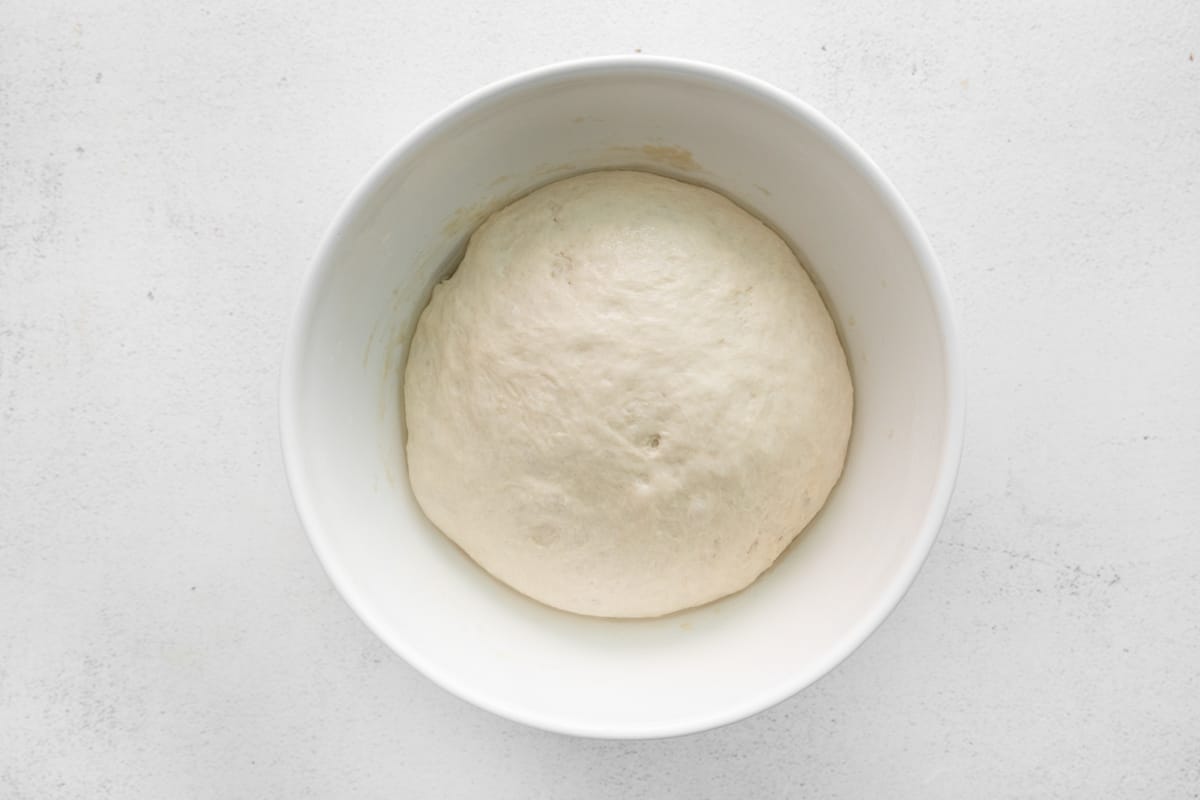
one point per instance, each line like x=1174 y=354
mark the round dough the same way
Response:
x=628 y=399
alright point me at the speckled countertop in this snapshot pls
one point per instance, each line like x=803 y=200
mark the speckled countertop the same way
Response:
x=165 y=175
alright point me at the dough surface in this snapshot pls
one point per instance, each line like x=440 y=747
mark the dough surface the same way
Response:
x=628 y=399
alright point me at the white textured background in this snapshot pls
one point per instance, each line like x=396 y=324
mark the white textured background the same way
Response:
x=166 y=172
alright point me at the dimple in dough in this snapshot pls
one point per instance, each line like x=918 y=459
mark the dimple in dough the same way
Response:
x=628 y=399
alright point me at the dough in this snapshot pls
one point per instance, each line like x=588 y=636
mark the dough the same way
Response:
x=628 y=399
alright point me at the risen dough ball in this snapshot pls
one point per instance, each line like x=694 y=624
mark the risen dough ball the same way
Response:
x=628 y=399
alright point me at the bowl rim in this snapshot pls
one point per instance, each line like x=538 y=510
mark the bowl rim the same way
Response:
x=299 y=335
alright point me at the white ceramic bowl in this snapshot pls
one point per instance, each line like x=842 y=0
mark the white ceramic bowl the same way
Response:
x=405 y=226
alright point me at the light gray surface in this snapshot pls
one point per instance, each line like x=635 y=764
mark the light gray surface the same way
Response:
x=165 y=175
